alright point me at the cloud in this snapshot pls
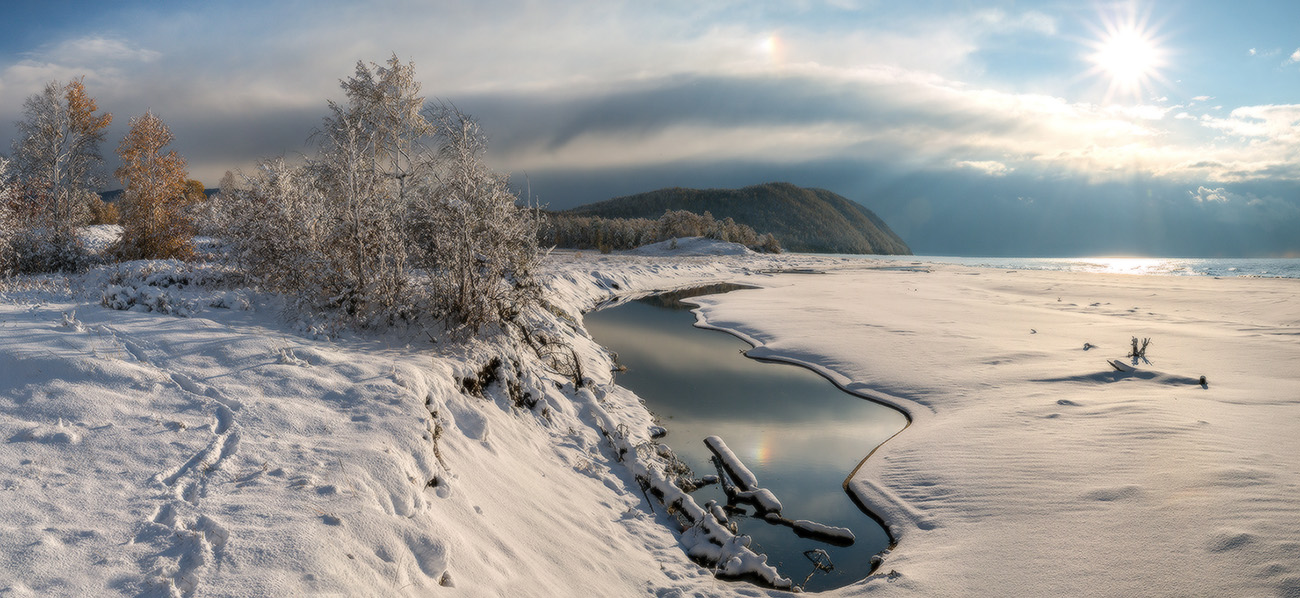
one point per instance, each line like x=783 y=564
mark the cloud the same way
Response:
x=590 y=85
x=920 y=121
x=988 y=167
x=96 y=49
x=1001 y=22
x=1203 y=195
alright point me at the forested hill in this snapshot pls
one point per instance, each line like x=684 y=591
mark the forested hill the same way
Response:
x=809 y=220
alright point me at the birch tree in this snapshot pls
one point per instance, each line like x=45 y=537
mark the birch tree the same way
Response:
x=153 y=225
x=58 y=161
x=372 y=152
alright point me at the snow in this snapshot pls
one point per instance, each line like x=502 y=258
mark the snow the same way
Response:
x=99 y=238
x=748 y=488
x=692 y=247
x=812 y=528
x=1034 y=467
x=210 y=449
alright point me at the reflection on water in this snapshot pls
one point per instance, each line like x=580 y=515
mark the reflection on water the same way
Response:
x=799 y=434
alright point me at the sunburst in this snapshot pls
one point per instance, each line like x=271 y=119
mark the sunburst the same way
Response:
x=1129 y=53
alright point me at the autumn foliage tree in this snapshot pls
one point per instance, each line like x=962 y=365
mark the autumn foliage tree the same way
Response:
x=154 y=184
x=57 y=158
x=194 y=192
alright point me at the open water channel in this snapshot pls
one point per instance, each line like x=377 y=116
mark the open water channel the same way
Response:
x=798 y=433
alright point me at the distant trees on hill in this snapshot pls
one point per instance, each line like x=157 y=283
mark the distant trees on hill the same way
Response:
x=619 y=234
x=802 y=219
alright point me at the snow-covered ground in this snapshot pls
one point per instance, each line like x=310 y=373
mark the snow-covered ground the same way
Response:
x=195 y=445
x=1033 y=467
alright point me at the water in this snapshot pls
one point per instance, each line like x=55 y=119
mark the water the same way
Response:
x=798 y=433
x=1221 y=267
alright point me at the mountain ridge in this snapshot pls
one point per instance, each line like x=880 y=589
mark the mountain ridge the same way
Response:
x=802 y=219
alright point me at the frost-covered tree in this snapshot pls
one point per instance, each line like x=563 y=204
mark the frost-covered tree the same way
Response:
x=228 y=184
x=361 y=222
x=371 y=151
x=278 y=225
x=9 y=224
x=396 y=216
x=386 y=103
x=153 y=197
x=479 y=247
x=57 y=158
x=57 y=150
x=347 y=209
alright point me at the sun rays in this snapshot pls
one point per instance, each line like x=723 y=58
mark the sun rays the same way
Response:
x=1128 y=53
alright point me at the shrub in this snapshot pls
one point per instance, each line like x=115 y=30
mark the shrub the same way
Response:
x=478 y=247
x=102 y=212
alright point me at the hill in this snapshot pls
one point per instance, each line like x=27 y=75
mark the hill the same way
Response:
x=806 y=220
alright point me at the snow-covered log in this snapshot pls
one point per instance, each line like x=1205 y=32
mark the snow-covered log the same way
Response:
x=747 y=483
x=706 y=537
x=820 y=531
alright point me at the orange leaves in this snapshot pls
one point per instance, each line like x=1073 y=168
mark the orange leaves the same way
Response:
x=81 y=110
x=153 y=226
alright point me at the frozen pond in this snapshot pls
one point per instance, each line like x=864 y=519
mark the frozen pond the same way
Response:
x=798 y=433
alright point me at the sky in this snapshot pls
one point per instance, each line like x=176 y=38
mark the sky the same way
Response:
x=1022 y=128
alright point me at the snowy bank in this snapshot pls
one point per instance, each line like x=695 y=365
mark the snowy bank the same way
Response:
x=193 y=444
x=166 y=434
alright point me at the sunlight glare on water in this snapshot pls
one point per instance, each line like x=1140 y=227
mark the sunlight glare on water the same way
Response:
x=1125 y=265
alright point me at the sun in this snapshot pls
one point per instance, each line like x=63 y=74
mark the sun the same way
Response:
x=1129 y=55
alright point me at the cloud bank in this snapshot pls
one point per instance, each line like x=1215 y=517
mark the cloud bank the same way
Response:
x=584 y=98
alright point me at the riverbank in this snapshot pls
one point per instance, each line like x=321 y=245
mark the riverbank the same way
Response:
x=194 y=445
x=163 y=432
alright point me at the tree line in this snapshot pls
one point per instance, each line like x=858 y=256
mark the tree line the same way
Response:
x=618 y=234
x=395 y=216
